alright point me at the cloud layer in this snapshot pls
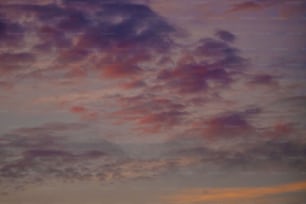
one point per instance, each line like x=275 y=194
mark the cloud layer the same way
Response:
x=115 y=75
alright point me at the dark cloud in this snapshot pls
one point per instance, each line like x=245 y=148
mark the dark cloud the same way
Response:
x=131 y=27
x=289 y=152
x=213 y=64
x=272 y=155
x=263 y=79
x=15 y=62
x=44 y=13
x=74 y=22
x=50 y=157
x=248 y=155
x=218 y=50
x=225 y=35
x=231 y=140
x=40 y=164
x=11 y=34
x=228 y=125
x=209 y=66
x=292 y=111
x=35 y=154
x=51 y=127
x=44 y=136
x=126 y=34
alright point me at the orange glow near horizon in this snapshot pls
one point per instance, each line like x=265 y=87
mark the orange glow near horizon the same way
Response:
x=223 y=194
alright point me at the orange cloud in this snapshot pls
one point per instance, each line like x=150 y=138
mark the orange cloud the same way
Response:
x=225 y=194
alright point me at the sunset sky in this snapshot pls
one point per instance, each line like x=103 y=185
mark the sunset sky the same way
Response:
x=152 y=101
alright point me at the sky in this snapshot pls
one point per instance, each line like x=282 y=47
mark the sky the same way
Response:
x=152 y=101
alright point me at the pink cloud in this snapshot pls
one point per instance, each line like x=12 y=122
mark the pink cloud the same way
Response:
x=85 y=113
x=133 y=84
x=149 y=113
x=114 y=71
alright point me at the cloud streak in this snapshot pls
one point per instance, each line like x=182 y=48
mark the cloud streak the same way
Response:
x=225 y=194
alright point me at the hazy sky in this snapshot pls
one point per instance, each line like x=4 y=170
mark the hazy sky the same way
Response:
x=152 y=101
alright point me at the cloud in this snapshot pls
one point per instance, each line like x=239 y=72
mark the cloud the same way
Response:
x=232 y=141
x=124 y=33
x=11 y=34
x=160 y=121
x=15 y=62
x=257 y=153
x=225 y=35
x=123 y=41
x=150 y=113
x=293 y=9
x=239 y=193
x=134 y=84
x=288 y=153
x=4 y=85
x=246 y=6
x=287 y=7
x=227 y=124
x=142 y=169
x=120 y=70
x=37 y=154
x=233 y=124
x=84 y=112
x=212 y=65
x=264 y=79
x=144 y=78
x=50 y=127
x=122 y=27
